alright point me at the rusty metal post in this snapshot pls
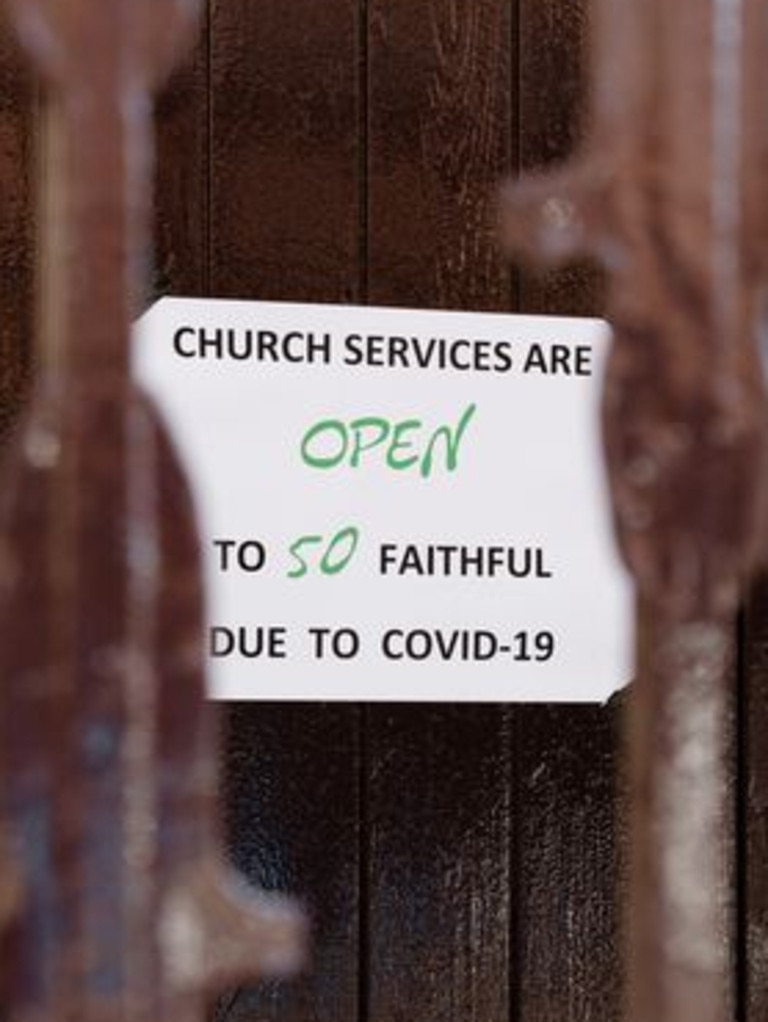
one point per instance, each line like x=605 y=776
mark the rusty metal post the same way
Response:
x=110 y=882
x=671 y=194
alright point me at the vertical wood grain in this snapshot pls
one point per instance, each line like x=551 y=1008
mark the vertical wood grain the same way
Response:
x=570 y=957
x=292 y=813
x=752 y=813
x=439 y=890
x=181 y=179
x=440 y=139
x=554 y=42
x=569 y=855
x=17 y=110
x=284 y=224
x=285 y=118
x=17 y=230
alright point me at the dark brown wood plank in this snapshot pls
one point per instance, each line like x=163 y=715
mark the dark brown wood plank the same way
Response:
x=440 y=138
x=568 y=932
x=753 y=807
x=569 y=852
x=438 y=864
x=285 y=118
x=554 y=43
x=569 y=929
x=17 y=129
x=17 y=230
x=181 y=179
x=284 y=224
x=292 y=814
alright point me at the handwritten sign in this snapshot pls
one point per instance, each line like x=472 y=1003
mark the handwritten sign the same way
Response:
x=396 y=505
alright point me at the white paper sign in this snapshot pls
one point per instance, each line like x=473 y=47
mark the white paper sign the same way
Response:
x=395 y=505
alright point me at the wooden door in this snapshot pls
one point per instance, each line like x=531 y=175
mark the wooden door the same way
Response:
x=459 y=863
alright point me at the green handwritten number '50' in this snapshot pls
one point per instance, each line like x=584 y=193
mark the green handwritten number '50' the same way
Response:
x=335 y=557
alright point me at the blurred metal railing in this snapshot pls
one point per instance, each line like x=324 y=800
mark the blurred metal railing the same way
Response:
x=671 y=195
x=111 y=891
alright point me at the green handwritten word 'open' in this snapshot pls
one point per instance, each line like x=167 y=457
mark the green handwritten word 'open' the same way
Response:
x=404 y=445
